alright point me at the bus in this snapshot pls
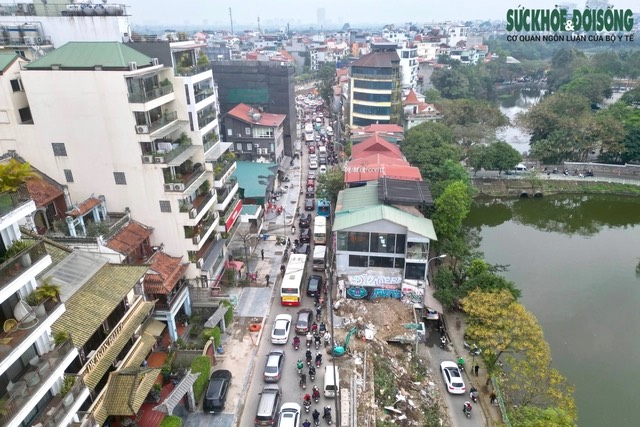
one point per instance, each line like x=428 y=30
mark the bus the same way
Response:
x=292 y=281
x=324 y=208
x=320 y=230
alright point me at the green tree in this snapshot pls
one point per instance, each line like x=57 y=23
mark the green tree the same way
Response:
x=428 y=146
x=478 y=157
x=452 y=208
x=327 y=79
x=472 y=121
x=432 y=96
x=607 y=62
x=13 y=174
x=502 y=156
x=595 y=87
x=531 y=416
x=330 y=184
x=451 y=83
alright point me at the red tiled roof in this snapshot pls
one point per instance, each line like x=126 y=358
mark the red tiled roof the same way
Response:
x=42 y=192
x=84 y=207
x=241 y=112
x=376 y=171
x=342 y=72
x=129 y=238
x=375 y=145
x=163 y=274
x=377 y=159
x=411 y=99
x=383 y=128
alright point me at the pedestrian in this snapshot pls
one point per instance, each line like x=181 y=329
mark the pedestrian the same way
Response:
x=262 y=253
x=267 y=277
x=494 y=399
x=476 y=369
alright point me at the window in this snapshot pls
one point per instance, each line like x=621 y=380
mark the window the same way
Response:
x=16 y=85
x=399 y=262
x=358 y=242
x=68 y=175
x=372 y=97
x=358 y=261
x=261 y=132
x=400 y=243
x=25 y=115
x=247 y=131
x=415 y=271
x=385 y=243
x=380 y=261
x=368 y=84
x=120 y=178
x=165 y=206
x=239 y=146
x=229 y=132
x=368 y=109
x=248 y=146
x=59 y=150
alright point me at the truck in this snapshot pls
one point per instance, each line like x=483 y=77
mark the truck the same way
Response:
x=319 y=258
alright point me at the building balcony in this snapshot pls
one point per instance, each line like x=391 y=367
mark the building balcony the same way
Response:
x=18 y=270
x=226 y=194
x=56 y=413
x=186 y=183
x=228 y=213
x=199 y=233
x=34 y=384
x=171 y=303
x=143 y=97
x=165 y=120
x=191 y=71
x=202 y=203
x=203 y=94
x=205 y=119
x=222 y=170
x=11 y=201
x=371 y=116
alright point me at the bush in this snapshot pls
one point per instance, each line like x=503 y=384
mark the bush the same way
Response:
x=171 y=421
x=214 y=333
x=228 y=316
x=203 y=365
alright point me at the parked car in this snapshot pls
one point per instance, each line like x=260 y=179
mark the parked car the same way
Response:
x=311 y=175
x=309 y=204
x=323 y=168
x=452 y=377
x=273 y=367
x=314 y=285
x=280 y=331
x=313 y=164
x=311 y=183
x=303 y=323
x=216 y=395
x=305 y=236
x=305 y=221
x=289 y=415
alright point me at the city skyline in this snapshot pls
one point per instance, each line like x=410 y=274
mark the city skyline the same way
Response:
x=336 y=13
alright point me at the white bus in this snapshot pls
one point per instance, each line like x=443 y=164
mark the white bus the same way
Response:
x=291 y=289
x=320 y=230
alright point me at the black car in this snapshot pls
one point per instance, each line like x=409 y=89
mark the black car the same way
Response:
x=314 y=285
x=305 y=236
x=217 y=389
x=305 y=221
x=303 y=249
x=309 y=204
x=309 y=195
x=303 y=323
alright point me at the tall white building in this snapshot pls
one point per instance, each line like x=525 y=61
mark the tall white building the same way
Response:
x=408 y=54
x=142 y=130
x=32 y=365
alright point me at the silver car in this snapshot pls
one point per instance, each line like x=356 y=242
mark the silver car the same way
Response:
x=274 y=365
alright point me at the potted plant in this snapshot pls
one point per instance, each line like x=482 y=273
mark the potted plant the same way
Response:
x=34 y=300
x=165 y=82
x=154 y=394
x=67 y=384
x=13 y=174
x=60 y=337
x=48 y=290
x=17 y=247
x=165 y=371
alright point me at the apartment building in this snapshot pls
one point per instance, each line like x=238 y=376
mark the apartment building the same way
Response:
x=32 y=363
x=408 y=54
x=144 y=127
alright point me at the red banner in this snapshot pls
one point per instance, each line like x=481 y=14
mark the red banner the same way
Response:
x=234 y=216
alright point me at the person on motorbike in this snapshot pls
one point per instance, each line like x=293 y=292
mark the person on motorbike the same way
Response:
x=316 y=416
x=315 y=394
x=319 y=359
x=322 y=328
x=473 y=393
x=317 y=340
x=327 y=338
x=309 y=338
x=467 y=407
x=300 y=365
x=306 y=423
x=327 y=413
x=306 y=399
x=303 y=380
x=296 y=341
x=314 y=327
x=309 y=356
x=461 y=363
x=312 y=371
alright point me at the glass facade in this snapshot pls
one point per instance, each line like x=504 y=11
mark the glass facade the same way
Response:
x=386 y=243
x=361 y=121
x=374 y=111
x=372 y=97
x=415 y=271
x=368 y=84
x=376 y=71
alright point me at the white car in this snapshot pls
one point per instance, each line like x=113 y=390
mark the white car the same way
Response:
x=313 y=164
x=289 y=415
x=452 y=377
x=323 y=168
x=281 y=327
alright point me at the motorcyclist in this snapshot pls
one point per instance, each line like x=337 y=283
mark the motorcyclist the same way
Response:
x=322 y=328
x=306 y=423
x=327 y=413
x=327 y=338
x=467 y=407
x=296 y=341
x=309 y=338
x=461 y=363
x=312 y=371
x=300 y=365
x=309 y=356
x=314 y=327
x=306 y=399
x=473 y=394
x=319 y=359
x=317 y=340
x=316 y=416
x=315 y=394
x=303 y=380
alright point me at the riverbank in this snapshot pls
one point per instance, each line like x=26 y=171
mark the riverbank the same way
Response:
x=540 y=187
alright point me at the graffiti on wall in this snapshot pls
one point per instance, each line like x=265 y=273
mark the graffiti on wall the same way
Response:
x=373 y=281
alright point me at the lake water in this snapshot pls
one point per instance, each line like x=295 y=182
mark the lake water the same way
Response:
x=511 y=103
x=574 y=258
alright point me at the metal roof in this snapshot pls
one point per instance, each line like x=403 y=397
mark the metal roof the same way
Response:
x=349 y=219
x=6 y=59
x=358 y=197
x=74 y=271
x=88 y=55
x=402 y=192
x=254 y=177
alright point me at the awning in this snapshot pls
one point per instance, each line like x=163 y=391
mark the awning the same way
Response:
x=216 y=151
x=430 y=301
x=213 y=321
x=186 y=154
x=154 y=327
x=140 y=350
x=166 y=130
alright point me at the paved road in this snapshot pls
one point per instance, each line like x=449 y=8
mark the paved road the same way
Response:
x=559 y=177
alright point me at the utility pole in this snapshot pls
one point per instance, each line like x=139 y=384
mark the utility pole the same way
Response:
x=231 y=20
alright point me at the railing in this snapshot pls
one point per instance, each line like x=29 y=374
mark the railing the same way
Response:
x=25 y=41
x=29 y=383
x=11 y=201
x=14 y=267
x=222 y=194
x=209 y=144
x=190 y=71
x=116 y=227
x=219 y=173
x=230 y=207
x=167 y=303
x=203 y=94
x=174 y=153
x=374 y=76
x=163 y=121
x=200 y=205
x=151 y=94
x=207 y=224
x=56 y=410
x=208 y=118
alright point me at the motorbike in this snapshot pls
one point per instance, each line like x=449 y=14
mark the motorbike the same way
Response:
x=317 y=340
x=466 y=409
x=316 y=418
x=300 y=365
x=473 y=394
x=318 y=360
x=312 y=373
x=327 y=414
x=443 y=342
x=322 y=328
x=309 y=357
x=472 y=349
x=316 y=394
x=307 y=405
x=296 y=343
x=303 y=380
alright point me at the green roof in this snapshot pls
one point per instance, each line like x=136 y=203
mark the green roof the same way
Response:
x=254 y=177
x=418 y=225
x=249 y=209
x=358 y=197
x=78 y=55
x=6 y=58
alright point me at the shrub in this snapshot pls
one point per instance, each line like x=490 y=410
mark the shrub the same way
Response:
x=214 y=333
x=203 y=365
x=228 y=316
x=171 y=421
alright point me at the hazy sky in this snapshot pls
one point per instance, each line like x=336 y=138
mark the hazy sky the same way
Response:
x=215 y=13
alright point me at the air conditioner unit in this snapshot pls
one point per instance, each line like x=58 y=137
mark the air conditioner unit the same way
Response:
x=155 y=61
x=29 y=41
x=168 y=187
x=158 y=160
x=196 y=239
x=193 y=213
x=256 y=146
x=147 y=159
x=178 y=187
x=31 y=8
x=142 y=129
x=133 y=66
x=200 y=263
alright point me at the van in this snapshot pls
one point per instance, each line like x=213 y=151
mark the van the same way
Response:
x=331 y=381
x=319 y=256
x=520 y=168
x=267 y=414
x=322 y=150
x=329 y=131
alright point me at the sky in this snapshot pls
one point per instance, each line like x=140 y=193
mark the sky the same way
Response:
x=214 y=14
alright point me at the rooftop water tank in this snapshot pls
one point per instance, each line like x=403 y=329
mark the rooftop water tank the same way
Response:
x=99 y=9
x=114 y=9
x=88 y=10
x=15 y=34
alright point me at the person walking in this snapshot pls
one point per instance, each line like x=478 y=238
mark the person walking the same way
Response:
x=267 y=277
x=476 y=369
x=262 y=254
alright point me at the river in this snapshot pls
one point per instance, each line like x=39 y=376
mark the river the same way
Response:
x=574 y=258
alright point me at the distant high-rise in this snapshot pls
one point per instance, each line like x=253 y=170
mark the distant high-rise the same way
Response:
x=321 y=16
x=597 y=4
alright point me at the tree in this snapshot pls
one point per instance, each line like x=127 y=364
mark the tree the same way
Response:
x=330 y=184
x=595 y=87
x=428 y=146
x=531 y=416
x=13 y=174
x=472 y=121
x=502 y=157
x=478 y=157
x=432 y=96
x=327 y=76
x=451 y=83
x=446 y=174
x=452 y=208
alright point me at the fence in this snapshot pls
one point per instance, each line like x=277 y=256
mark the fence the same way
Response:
x=501 y=404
